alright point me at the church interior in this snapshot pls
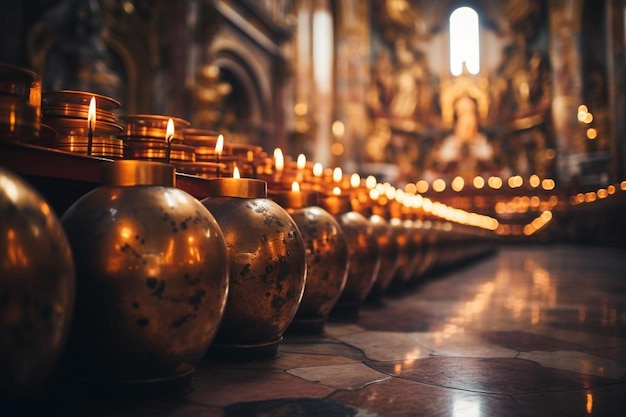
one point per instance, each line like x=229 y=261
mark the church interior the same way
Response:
x=313 y=208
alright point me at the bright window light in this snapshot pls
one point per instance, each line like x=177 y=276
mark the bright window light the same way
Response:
x=322 y=49
x=464 y=41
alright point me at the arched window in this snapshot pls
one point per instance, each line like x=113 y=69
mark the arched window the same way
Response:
x=464 y=41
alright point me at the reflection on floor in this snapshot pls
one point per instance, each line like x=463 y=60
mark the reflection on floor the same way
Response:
x=531 y=331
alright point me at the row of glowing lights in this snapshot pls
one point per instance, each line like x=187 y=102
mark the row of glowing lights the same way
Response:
x=523 y=204
x=458 y=183
x=528 y=229
x=600 y=194
x=377 y=190
x=408 y=198
x=438 y=185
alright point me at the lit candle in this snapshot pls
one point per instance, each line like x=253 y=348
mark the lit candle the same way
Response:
x=300 y=165
x=337 y=176
x=355 y=180
x=294 y=198
x=318 y=170
x=91 y=124
x=237 y=187
x=169 y=134
x=279 y=164
x=219 y=148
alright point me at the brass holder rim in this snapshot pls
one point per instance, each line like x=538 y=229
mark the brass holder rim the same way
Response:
x=200 y=137
x=157 y=150
x=107 y=147
x=74 y=111
x=200 y=168
x=21 y=83
x=152 y=126
x=62 y=97
x=128 y=173
x=83 y=140
x=147 y=135
x=80 y=127
x=237 y=187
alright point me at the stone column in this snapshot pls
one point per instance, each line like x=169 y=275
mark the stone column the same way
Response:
x=352 y=75
x=565 y=21
x=616 y=69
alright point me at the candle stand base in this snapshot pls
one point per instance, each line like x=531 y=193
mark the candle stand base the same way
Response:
x=237 y=352
x=345 y=312
x=147 y=388
x=307 y=326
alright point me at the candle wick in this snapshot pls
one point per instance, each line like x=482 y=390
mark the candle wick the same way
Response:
x=168 y=151
x=89 y=138
x=217 y=160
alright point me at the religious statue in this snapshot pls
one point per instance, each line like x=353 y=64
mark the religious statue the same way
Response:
x=466 y=152
x=401 y=90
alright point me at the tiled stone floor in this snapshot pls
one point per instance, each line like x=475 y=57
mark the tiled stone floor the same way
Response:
x=531 y=331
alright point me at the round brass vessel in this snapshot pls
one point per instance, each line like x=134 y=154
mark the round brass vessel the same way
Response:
x=267 y=269
x=37 y=287
x=152 y=269
x=364 y=255
x=327 y=259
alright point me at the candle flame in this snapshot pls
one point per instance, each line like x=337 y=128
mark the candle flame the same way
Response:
x=355 y=180
x=370 y=182
x=91 y=114
x=318 y=169
x=169 y=130
x=301 y=162
x=219 y=145
x=279 y=161
x=295 y=186
x=337 y=174
x=236 y=173
x=337 y=191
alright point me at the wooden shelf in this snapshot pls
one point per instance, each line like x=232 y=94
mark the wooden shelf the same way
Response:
x=63 y=177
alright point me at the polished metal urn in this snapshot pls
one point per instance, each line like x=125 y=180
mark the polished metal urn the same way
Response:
x=152 y=273
x=37 y=289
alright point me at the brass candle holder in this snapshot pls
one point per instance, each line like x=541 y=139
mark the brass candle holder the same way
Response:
x=327 y=258
x=267 y=268
x=20 y=104
x=152 y=272
x=68 y=113
x=37 y=283
x=364 y=254
x=145 y=139
x=389 y=248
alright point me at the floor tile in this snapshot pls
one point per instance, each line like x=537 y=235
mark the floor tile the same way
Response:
x=578 y=362
x=305 y=407
x=222 y=387
x=490 y=375
x=525 y=342
x=531 y=331
x=350 y=376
